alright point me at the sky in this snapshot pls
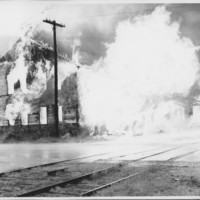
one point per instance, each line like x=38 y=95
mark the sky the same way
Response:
x=91 y=26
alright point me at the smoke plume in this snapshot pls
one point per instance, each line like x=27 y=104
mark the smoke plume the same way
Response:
x=133 y=86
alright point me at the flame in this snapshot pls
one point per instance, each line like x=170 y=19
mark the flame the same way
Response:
x=76 y=50
x=19 y=72
x=131 y=89
x=67 y=68
x=148 y=63
x=38 y=85
x=30 y=93
x=20 y=101
x=18 y=108
x=64 y=70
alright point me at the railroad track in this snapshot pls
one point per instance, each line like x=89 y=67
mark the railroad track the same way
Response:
x=93 y=191
x=53 y=163
x=88 y=181
x=23 y=177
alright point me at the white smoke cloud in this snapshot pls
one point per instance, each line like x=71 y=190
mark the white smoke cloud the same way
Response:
x=148 y=61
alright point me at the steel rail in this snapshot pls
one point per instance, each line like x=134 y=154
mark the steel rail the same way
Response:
x=52 y=163
x=182 y=155
x=63 y=161
x=53 y=172
x=87 y=175
x=92 y=191
x=62 y=183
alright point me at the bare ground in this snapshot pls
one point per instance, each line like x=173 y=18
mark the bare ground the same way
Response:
x=160 y=179
x=154 y=179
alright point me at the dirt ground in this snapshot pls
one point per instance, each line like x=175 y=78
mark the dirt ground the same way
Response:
x=155 y=178
x=160 y=179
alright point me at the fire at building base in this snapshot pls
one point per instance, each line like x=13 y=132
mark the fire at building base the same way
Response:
x=132 y=89
x=27 y=90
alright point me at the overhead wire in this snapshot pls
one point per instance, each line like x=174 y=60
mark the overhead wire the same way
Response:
x=131 y=13
x=125 y=13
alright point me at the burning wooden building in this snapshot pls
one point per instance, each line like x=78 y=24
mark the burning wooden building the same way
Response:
x=27 y=89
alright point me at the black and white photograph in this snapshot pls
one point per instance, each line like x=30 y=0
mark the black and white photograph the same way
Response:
x=99 y=99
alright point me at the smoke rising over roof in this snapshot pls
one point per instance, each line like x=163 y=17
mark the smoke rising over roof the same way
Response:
x=134 y=85
x=136 y=58
x=93 y=24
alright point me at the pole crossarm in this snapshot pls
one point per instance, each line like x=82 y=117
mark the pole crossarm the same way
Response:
x=54 y=23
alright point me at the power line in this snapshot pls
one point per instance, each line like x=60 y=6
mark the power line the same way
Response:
x=124 y=13
x=112 y=14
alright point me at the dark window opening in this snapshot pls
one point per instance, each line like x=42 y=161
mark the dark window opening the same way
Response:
x=17 y=85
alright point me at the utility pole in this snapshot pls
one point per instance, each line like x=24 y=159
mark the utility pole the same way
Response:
x=54 y=24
